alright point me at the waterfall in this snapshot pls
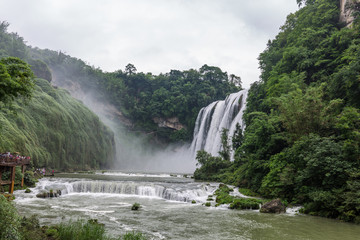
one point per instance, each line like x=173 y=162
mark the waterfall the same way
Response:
x=216 y=116
x=185 y=193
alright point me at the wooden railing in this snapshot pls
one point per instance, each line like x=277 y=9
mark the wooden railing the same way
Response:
x=9 y=163
x=14 y=160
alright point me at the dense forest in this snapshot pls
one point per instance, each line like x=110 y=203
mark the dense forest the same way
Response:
x=66 y=138
x=143 y=97
x=302 y=136
x=44 y=122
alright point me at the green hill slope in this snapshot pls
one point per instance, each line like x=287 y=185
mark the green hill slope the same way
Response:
x=57 y=131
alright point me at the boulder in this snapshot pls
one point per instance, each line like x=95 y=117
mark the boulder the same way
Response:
x=274 y=206
x=42 y=195
x=50 y=194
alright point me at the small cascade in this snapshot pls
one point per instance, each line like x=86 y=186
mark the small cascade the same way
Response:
x=168 y=192
x=216 y=116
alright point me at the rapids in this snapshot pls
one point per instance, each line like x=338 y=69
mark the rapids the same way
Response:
x=167 y=211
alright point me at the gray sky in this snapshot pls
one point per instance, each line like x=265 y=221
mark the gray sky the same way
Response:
x=154 y=35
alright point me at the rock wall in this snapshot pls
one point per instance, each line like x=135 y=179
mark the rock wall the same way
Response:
x=346 y=12
x=172 y=123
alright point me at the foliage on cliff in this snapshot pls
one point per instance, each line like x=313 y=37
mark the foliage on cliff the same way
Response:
x=141 y=97
x=56 y=130
x=302 y=136
x=16 y=79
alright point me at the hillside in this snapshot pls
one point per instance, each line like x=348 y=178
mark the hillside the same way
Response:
x=302 y=136
x=49 y=125
x=57 y=131
x=164 y=106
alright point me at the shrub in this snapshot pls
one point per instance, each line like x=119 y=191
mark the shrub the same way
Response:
x=31 y=230
x=81 y=230
x=245 y=203
x=222 y=194
x=52 y=232
x=29 y=179
x=135 y=206
x=9 y=220
x=134 y=236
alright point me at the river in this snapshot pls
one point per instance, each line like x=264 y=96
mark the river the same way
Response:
x=167 y=211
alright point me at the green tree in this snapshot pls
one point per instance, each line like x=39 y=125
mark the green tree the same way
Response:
x=237 y=138
x=130 y=69
x=225 y=147
x=16 y=79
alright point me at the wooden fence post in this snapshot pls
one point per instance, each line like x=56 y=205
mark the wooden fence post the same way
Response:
x=11 y=190
x=23 y=167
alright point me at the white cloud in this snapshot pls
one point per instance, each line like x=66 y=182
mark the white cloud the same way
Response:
x=154 y=35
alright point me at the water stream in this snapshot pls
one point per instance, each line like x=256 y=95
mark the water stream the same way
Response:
x=167 y=211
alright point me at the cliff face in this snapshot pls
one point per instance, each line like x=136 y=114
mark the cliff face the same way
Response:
x=172 y=123
x=346 y=11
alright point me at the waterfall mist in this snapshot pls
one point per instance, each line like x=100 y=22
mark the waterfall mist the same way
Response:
x=134 y=151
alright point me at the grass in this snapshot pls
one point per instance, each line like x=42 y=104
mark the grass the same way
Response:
x=81 y=230
x=245 y=203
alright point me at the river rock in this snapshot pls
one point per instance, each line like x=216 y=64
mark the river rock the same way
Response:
x=49 y=194
x=42 y=195
x=274 y=206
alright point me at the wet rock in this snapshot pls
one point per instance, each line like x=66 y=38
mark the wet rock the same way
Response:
x=172 y=123
x=50 y=194
x=274 y=206
x=42 y=195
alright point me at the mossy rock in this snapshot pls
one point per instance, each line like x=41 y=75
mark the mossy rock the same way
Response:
x=193 y=201
x=207 y=204
x=50 y=194
x=27 y=191
x=135 y=206
x=274 y=206
x=52 y=232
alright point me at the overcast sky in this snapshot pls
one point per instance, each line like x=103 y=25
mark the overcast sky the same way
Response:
x=154 y=35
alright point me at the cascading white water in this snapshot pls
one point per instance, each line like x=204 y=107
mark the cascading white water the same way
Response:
x=169 y=191
x=216 y=116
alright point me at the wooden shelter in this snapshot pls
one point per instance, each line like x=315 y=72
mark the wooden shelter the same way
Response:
x=9 y=163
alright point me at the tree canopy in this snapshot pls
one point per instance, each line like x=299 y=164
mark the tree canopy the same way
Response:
x=16 y=79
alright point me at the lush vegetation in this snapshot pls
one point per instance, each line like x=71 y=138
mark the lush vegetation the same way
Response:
x=143 y=97
x=16 y=79
x=57 y=131
x=302 y=136
x=223 y=197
